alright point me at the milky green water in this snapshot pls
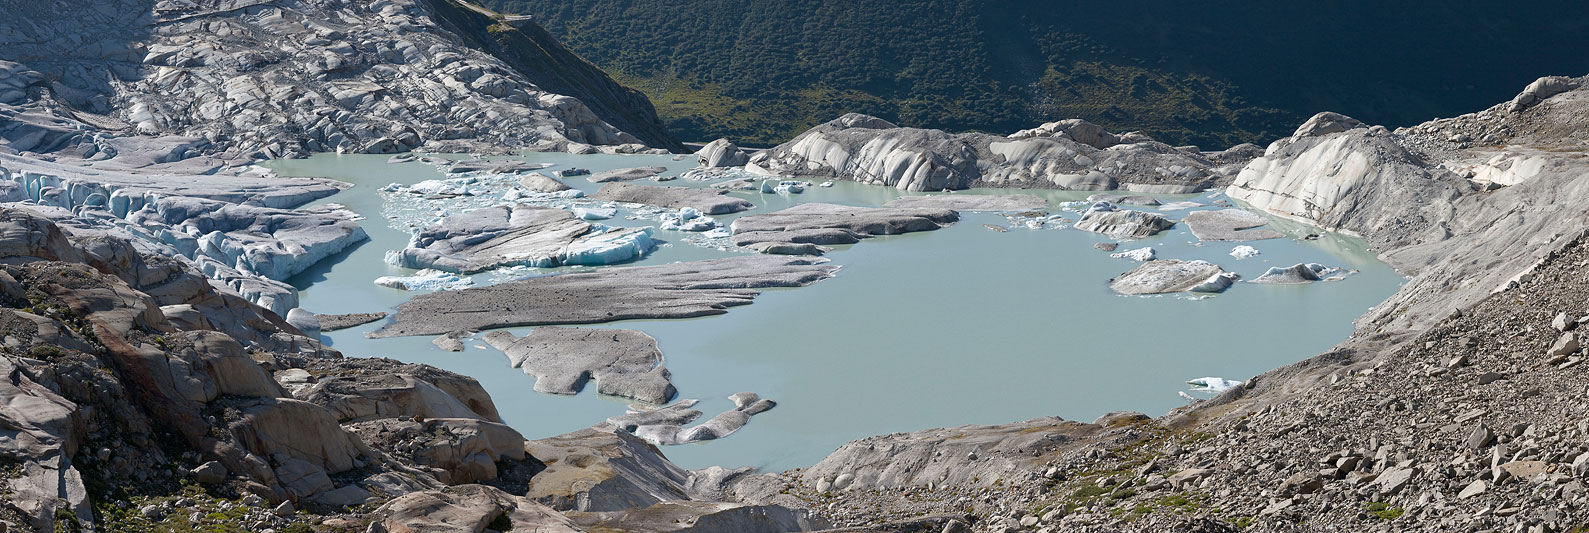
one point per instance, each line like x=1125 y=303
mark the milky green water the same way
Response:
x=958 y=326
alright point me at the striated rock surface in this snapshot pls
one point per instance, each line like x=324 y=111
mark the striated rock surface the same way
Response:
x=678 y=290
x=707 y=201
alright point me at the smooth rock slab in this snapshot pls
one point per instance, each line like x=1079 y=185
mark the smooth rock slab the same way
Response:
x=624 y=174
x=624 y=362
x=972 y=202
x=677 y=290
x=707 y=201
x=819 y=223
x=1172 y=275
x=1229 y=225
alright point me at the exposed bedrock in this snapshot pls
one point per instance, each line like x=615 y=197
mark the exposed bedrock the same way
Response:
x=677 y=290
x=972 y=202
x=1071 y=154
x=1173 y=275
x=623 y=362
x=525 y=235
x=707 y=201
x=466 y=508
x=819 y=223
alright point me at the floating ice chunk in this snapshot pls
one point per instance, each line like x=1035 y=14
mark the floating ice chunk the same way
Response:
x=719 y=233
x=610 y=247
x=1177 y=206
x=1302 y=273
x=1213 y=384
x=1244 y=252
x=595 y=212
x=782 y=187
x=1216 y=283
x=1139 y=254
x=425 y=280
x=826 y=184
x=688 y=219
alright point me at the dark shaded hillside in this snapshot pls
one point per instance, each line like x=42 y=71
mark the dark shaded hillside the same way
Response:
x=533 y=52
x=1206 y=73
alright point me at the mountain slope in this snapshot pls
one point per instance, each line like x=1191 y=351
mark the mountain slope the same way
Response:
x=1213 y=75
x=249 y=80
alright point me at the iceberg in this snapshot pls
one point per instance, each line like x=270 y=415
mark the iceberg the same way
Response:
x=1139 y=254
x=1301 y=273
x=595 y=212
x=1213 y=384
x=1243 y=252
x=782 y=187
x=1216 y=283
x=688 y=219
x=609 y=247
x=425 y=280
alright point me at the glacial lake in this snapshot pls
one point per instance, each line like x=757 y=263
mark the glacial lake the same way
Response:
x=963 y=325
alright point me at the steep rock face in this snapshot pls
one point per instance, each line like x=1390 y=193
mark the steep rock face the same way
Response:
x=246 y=80
x=1070 y=154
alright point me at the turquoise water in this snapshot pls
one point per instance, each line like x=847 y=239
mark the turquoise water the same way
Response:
x=963 y=325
